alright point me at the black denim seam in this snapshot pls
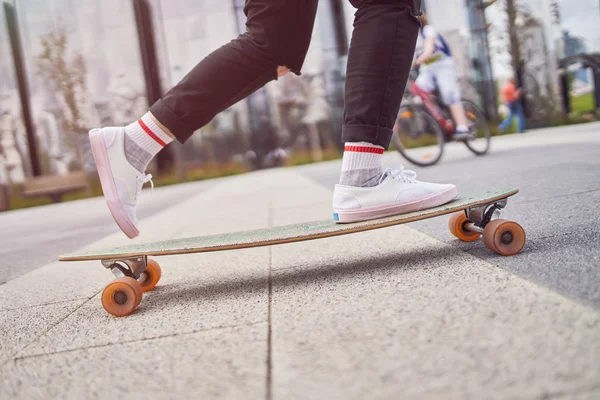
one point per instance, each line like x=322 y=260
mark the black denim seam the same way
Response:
x=415 y=13
x=164 y=105
x=385 y=92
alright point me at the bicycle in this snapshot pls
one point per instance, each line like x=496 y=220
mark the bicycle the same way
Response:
x=422 y=130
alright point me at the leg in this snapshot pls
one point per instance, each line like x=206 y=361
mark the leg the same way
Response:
x=276 y=40
x=458 y=114
x=451 y=94
x=381 y=51
x=379 y=61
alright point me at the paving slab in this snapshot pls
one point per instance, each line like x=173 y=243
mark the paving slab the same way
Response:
x=71 y=281
x=390 y=313
x=228 y=363
x=53 y=283
x=201 y=214
x=394 y=313
x=19 y=328
x=585 y=394
x=197 y=292
x=366 y=314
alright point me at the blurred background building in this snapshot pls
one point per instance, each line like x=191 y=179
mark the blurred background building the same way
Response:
x=67 y=66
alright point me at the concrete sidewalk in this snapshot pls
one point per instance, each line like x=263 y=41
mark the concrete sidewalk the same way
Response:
x=391 y=313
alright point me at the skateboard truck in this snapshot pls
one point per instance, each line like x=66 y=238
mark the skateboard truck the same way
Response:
x=501 y=236
x=131 y=267
x=135 y=275
x=480 y=216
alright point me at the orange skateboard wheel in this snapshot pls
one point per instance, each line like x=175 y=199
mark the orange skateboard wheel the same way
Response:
x=153 y=273
x=122 y=296
x=506 y=238
x=456 y=225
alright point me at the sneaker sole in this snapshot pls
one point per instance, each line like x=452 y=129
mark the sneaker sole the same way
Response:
x=108 y=184
x=387 y=210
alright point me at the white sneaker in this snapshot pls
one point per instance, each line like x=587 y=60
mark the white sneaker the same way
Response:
x=121 y=182
x=398 y=192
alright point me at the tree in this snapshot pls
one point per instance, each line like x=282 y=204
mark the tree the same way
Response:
x=516 y=15
x=65 y=77
x=511 y=28
x=555 y=10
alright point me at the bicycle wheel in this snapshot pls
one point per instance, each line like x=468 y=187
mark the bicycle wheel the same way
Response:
x=479 y=127
x=418 y=136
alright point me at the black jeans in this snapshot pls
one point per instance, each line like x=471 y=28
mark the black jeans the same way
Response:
x=278 y=33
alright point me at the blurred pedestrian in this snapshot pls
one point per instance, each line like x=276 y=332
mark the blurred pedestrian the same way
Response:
x=318 y=112
x=512 y=100
x=301 y=110
x=265 y=150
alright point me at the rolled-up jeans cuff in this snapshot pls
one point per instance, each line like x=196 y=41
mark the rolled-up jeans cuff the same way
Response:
x=377 y=135
x=171 y=121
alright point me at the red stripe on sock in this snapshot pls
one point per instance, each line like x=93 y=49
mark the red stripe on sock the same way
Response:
x=151 y=134
x=364 y=149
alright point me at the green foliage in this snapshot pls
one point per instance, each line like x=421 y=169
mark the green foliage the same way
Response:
x=302 y=157
x=583 y=103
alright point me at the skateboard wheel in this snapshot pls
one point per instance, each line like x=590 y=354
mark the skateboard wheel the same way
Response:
x=153 y=273
x=456 y=225
x=504 y=237
x=122 y=296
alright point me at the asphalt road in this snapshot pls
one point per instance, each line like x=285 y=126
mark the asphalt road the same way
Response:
x=558 y=174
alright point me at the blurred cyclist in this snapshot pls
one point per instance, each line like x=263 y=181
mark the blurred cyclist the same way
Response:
x=437 y=69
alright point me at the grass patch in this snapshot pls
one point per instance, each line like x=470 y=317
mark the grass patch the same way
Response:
x=213 y=170
x=302 y=157
x=420 y=141
x=583 y=103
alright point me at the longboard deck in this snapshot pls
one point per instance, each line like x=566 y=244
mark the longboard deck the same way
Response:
x=281 y=234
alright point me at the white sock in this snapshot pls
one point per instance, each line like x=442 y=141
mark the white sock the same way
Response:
x=143 y=140
x=462 y=128
x=361 y=164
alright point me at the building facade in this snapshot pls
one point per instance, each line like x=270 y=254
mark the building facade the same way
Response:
x=104 y=36
x=101 y=38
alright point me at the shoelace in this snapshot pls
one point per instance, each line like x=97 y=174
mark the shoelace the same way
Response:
x=401 y=174
x=141 y=181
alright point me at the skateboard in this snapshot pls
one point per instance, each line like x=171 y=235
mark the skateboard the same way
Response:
x=471 y=217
